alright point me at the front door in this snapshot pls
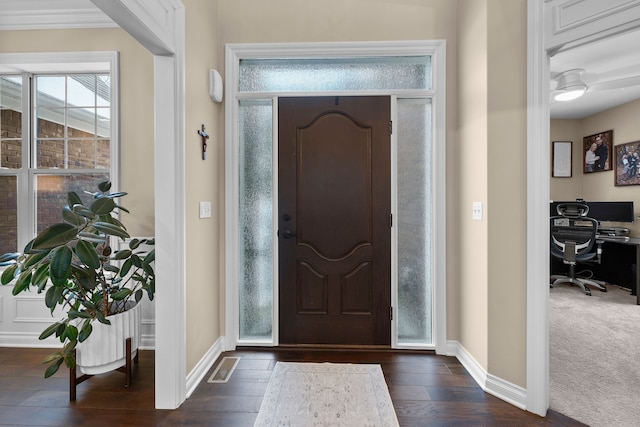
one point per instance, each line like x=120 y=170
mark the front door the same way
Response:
x=334 y=220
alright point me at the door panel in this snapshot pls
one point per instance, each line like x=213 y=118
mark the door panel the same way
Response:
x=334 y=231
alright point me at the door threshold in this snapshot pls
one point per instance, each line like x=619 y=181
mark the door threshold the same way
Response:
x=333 y=347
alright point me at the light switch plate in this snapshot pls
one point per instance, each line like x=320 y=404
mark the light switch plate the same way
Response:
x=205 y=209
x=477 y=211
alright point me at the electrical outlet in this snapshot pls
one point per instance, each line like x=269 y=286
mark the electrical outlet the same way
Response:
x=205 y=209
x=477 y=211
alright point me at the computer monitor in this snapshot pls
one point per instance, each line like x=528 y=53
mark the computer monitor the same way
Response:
x=605 y=211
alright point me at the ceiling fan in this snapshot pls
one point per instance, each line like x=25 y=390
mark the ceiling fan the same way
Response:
x=574 y=83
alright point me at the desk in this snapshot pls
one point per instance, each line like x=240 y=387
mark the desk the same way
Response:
x=618 y=265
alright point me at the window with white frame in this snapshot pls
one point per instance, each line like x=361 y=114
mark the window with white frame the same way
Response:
x=56 y=137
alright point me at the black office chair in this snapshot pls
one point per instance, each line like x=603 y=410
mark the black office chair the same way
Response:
x=573 y=240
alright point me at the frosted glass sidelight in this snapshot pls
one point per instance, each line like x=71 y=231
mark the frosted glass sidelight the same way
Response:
x=256 y=214
x=415 y=218
x=337 y=74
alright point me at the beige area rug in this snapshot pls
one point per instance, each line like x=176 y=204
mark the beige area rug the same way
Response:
x=326 y=395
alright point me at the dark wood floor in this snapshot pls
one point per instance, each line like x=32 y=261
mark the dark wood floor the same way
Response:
x=426 y=389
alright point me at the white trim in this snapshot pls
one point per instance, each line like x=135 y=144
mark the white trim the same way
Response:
x=440 y=201
x=52 y=19
x=504 y=390
x=394 y=221
x=202 y=367
x=140 y=18
x=275 y=334
x=233 y=54
x=28 y=340
x=538 y=182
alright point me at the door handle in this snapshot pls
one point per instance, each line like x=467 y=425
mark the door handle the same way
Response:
x=288 y=234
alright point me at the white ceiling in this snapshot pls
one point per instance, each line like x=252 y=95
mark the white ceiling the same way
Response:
x=604 y=60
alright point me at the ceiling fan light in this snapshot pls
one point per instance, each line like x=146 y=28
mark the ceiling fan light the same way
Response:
x=570 y=93
x=570 y=86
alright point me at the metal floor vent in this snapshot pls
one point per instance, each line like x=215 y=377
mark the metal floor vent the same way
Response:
x=224 y=370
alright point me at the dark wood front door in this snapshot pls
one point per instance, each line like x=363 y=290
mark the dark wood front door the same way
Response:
x=334 y=220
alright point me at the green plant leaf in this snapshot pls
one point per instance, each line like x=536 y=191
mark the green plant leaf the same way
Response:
x=56 y=235
x=9 y=256
x=86 y=278
x=70 y=333
x=122 y=208
x=111 y=268
x=41 y=276
x=83 y=211
x=139 y=294
x=91 y=237
x=116 y=195
x=33 y=259
x=148 y=269
x=53 y=368
x=51 y=357
x=50 y=330
x=9 y=274
x=121 y=294
x=111 y=229
x=104 y=186
x=60 y=267
x=135 y=259
x=126 y=266
x=134 y=244
x=101 y=318
x=71 y=217
x=123 y=254
x=23 y=282
x=85 y=331
x=73 y=199
x=87 y=254
x=150 y=257
x=52 y=296
x=102 y=206
x=60 y=329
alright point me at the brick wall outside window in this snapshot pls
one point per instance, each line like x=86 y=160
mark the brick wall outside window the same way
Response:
x=84 y=152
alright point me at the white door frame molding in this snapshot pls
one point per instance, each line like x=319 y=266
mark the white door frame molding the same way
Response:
x=235 y=52
x=160 y=27
x=553 y=25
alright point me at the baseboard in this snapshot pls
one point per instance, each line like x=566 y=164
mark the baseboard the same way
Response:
x=26 y=339
x=504 y=390
x=202 y=367
x=147 y=342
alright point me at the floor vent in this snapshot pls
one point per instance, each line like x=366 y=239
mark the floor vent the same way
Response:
x=224 y=370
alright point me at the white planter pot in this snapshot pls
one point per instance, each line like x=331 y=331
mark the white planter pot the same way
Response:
x=104 y=350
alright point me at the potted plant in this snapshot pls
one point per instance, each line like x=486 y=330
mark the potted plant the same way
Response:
x=74 y=264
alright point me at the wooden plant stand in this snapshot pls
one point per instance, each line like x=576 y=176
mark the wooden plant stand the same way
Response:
x=126 y=369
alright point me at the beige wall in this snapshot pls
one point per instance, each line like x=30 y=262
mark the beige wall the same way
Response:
x=507 y=189
x=136 y=107
x=472 y=175
x=623 y=120
x=492 y=104
x=204 y=182
x=486 y=145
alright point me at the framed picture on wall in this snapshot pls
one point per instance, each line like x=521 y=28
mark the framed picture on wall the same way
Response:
x=597 y=152
x=627 y=163
x=561 y=159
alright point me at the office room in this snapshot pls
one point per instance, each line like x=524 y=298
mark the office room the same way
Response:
x=591 y=336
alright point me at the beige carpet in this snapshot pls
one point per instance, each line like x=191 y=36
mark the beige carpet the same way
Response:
x=594 y=356
x=326 y=395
